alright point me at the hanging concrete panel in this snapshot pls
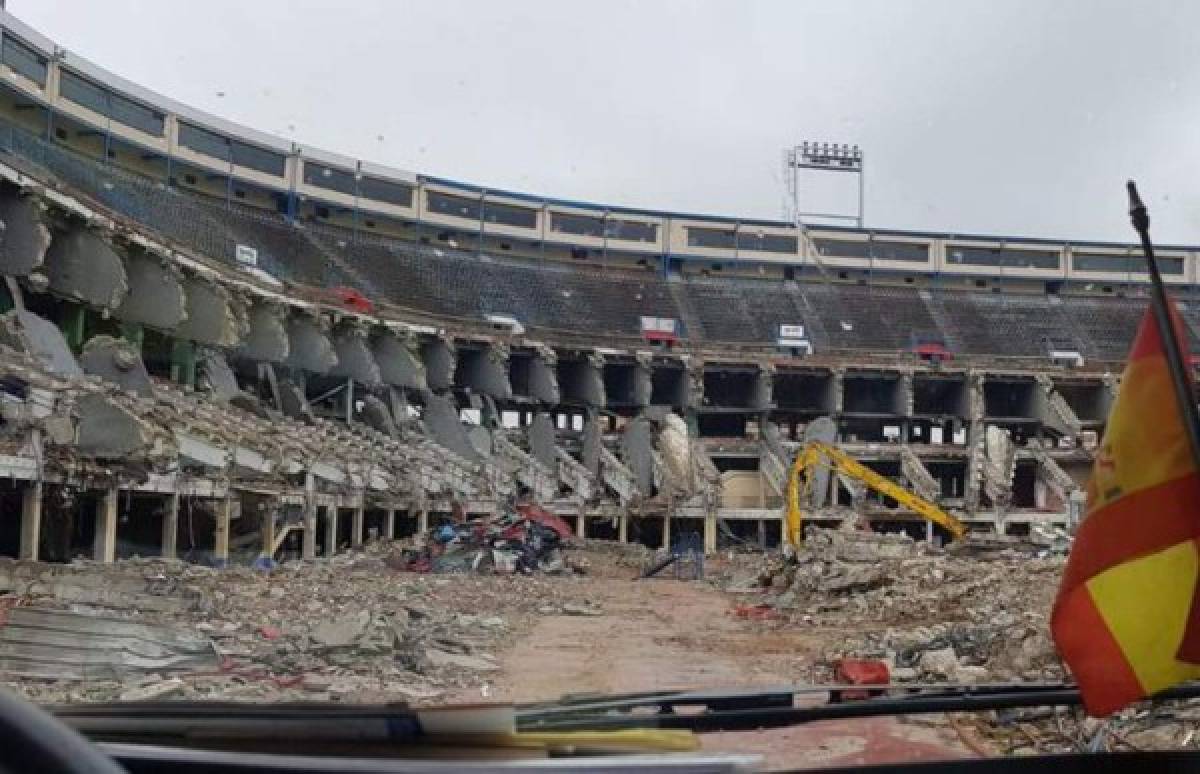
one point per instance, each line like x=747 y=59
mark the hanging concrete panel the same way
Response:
x=354 y=358
x=211 y=318
x=25 y=331
x=399 y=360
x=443 y=425
x=637 y=452
x=439 y=358
x=82 y=265
x=155 y=296
x=117 y=362
x=106 y=430
x=267 y=339
x=375 y=413
x=26 y=236
x=542 y=440
x=309 y=346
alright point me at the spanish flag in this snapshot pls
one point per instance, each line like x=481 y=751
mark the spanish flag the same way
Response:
x=1125 y=603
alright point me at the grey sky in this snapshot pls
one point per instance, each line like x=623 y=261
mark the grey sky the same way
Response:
x=1038 y=110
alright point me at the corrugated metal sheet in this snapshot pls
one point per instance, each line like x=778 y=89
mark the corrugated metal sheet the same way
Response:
x=62 y=645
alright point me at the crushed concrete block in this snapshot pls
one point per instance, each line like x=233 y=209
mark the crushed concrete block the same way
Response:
x=118 y=362
x=310 y=348
x=355 y=360
x=107 y=430
x=542 y=439
x=25 y=331
x=643 y=385
x=156 y=297
x=399 y=360
x=26 y=236
x=341 y=632
x=267 y=339
x=942 y=662
x=211 y=318
x=160 y=689
x=81 y=264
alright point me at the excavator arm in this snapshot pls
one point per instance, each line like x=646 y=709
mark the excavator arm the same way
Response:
x=817 y=453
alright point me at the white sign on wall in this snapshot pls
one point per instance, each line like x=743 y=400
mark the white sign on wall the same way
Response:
x=791 y=331
x=246 y=255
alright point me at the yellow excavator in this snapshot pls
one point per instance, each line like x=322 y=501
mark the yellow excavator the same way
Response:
x=818 y=453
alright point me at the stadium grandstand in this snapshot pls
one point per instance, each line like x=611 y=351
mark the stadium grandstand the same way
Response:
x=300 y=349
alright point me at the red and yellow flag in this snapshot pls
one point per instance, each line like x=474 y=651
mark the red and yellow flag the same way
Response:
x=1125 y=602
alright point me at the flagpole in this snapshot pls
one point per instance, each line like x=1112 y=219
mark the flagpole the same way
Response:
x=1162 y=317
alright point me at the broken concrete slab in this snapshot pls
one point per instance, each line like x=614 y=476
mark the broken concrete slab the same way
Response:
x=292 y=401
x=444 y=660
x=211 y=318
x=25 y=331
x=26 y=237
x=82 y=265
x=267 y=339
x=399 y=360
x=310 y=348
x=106 y=430
x=354 y=358
x=118 y=362
x=156 y=297
x=341 y=632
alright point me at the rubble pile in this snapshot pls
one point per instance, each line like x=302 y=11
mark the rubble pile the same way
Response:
x=970 y=613
x=350 y=628
x=525 y=540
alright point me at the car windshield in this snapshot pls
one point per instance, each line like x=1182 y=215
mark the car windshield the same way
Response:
x=460 y=352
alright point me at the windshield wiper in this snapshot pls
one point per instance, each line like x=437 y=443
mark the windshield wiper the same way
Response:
x=705 y=711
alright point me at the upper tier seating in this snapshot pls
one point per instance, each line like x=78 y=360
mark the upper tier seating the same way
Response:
x=587 y=299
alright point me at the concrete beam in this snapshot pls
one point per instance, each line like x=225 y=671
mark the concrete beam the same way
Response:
x=310 y=348
x=26 y=236
x=399 y=360
x=592 y=442
x=211 y=316
x=710 y=533
x=309 y=545
x=31 y=520
x=389 y=524
x=82 y=265
x=118 y=362
x=422 y=521
x=642 y=388
x=104 y=548
x=156 y=297
x=268 y=530
x=267 y=339
x=170 y=526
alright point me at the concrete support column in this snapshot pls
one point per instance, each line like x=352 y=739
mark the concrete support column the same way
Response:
x=422 y=521
x=221 y=531
x=105 y=547
x=309 y=545
x=268 y=533
x=357 y=523
x=331 y=530
x=623 y=528
x=389 y=524
x=170 y=526
x=581 y=525
x=31 y=520
x=666 y=540
x=710 y=533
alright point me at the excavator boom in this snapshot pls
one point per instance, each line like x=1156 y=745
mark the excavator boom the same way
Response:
x=817 y=453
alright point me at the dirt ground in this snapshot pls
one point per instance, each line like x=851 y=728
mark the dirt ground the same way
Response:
x=670 y=634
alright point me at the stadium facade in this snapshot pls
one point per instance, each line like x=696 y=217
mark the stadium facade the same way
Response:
x=217 y=341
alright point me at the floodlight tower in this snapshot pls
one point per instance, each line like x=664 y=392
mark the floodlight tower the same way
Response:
x=821 y=157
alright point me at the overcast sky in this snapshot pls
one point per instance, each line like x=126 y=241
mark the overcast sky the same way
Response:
x=1019 y=118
